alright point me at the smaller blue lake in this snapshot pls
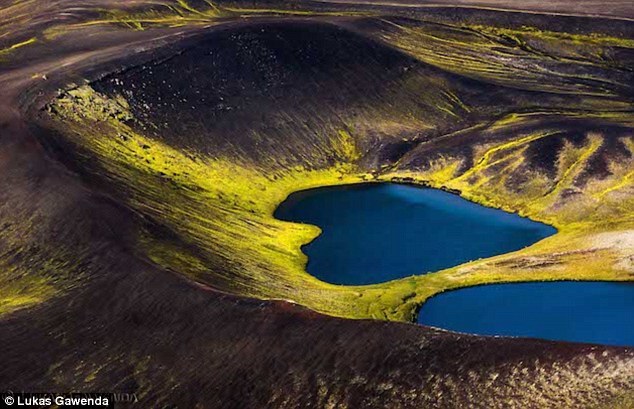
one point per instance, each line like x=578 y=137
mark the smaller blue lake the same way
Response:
x=377 y=232
x=591 y=312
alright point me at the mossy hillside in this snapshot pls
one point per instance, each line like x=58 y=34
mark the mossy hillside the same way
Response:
x=523 y=57
x=214 y=204
x=592 y=242
x=569 y=149
x=240 y=92
x=40 y=257
x=181 y=13
x=567 y=196
x=214 y=190
x=93 y=238
x=17 y=292
x=170 y=14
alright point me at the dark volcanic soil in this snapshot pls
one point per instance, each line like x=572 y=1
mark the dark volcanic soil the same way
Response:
x=608 y=8
x=119 y=323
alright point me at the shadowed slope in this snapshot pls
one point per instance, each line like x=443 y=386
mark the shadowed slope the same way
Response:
x=195 y=123
x=237 y=119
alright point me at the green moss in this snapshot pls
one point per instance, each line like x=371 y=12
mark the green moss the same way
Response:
x=23 y=292
x=12 y=48
x=48 y=275
x=221 y=212
x=524 y=58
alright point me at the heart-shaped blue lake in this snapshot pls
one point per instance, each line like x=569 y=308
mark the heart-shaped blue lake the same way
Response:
x=377 y=232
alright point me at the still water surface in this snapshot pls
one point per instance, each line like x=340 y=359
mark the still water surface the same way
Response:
x=376 y=232
x=593 y=312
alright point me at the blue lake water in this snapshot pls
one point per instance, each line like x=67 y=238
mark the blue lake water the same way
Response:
x=593 y=312
x=376 y=232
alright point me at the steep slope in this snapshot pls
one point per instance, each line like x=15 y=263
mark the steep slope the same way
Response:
x=146 y=146
x=235 y=120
